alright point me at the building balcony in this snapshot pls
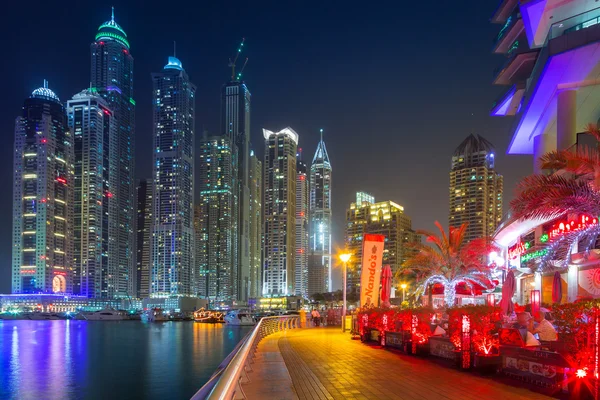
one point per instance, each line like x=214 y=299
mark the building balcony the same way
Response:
x=510 y=101
x=504 y=10
x=510 y=32
x=516 y=69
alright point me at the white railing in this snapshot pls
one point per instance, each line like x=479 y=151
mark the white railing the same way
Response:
x=225 y=384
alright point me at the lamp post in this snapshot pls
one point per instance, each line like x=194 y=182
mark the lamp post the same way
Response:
x=344 y=257
x=403 y=286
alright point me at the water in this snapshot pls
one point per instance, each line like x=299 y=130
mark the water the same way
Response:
x=110 y=360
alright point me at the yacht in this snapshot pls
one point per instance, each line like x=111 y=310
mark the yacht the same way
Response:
x=39 y=315
x=108 y=314
x=154 y=315
x=208 y=316
x=239 y=317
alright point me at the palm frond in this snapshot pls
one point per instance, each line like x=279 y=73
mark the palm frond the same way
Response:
x=540 y=196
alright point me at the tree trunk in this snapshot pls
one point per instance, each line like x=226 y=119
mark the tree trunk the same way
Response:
x=450 y=294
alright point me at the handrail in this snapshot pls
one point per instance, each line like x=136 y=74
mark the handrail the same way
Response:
x=224 y=383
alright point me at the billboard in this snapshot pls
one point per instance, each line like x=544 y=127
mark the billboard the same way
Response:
x=371 y=269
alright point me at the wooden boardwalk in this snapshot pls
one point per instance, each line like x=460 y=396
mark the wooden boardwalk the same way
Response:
x=323 y=363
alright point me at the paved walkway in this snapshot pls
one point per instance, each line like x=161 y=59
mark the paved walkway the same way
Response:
x=323 y=363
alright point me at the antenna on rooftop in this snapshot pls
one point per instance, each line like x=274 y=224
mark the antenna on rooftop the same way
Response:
x=174 y=49
x=112 y=17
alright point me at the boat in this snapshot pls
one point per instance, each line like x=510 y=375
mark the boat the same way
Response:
x=39 y=315
x=154 y=315
x=107 y=314
x=208 y=316
x=239 y=317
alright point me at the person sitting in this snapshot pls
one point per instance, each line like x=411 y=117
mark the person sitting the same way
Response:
x=544 y=328
x=523 y=321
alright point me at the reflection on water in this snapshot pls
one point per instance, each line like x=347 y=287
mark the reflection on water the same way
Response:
x=110 y=360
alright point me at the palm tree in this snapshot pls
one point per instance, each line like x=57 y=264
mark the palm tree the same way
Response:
x=572 y=187
x=449 y=260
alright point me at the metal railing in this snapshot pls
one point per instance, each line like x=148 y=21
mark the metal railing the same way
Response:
x=225 y=383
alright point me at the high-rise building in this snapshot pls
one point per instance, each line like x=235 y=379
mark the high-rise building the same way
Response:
x=42 y=259
x=364 y=197
x=112 y=78
x=172 y=249
x=216 y=225
x=316 y=275
x=256 y=225
x=95 y=220
x=384 y=218
x=279 y=206
x=143 y=237
x=320 y=208
x=475 y=188
x=301 y=227
x=235 y=124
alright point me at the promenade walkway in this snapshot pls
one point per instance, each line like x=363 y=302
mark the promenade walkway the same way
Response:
x=323 y=363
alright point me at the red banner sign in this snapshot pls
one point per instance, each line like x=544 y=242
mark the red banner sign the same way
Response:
x=371 y=269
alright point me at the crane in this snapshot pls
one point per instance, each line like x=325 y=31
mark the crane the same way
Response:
x=232 y=63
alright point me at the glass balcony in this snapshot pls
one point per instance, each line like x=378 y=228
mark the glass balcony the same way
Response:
x=575 y=23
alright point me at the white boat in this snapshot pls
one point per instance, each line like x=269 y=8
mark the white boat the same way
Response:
x=38 y=315
x=239 y=317
x=154 y=315
x=108 y=314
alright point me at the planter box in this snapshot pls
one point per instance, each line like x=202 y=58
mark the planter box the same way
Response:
x=442 y=347
x=487 y=362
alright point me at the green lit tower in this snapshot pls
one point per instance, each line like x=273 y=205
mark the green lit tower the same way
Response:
x=112 y=78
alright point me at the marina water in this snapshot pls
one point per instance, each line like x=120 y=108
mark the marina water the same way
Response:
x=72 y=359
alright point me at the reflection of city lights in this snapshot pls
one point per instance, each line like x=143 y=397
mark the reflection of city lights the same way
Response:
x=581 y=373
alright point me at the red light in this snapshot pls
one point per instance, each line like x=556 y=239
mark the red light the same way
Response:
x=302 y=177
x=61 y=180
x=101 y=43
x=106 y=112
x=581 y=373
x=109 y=194
x=43 y=200
x=125 y=51
x=44 y=140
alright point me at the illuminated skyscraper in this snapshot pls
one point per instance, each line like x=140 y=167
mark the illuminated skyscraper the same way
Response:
x=475 y=188
x=279 y=205
x=112 y=78
x=216 y=225
x=96 y=213
x=235 y=124
x=42 y=259
x=256 y=225
x=384 y=218
x=320 y=209
x=301 y=227
x=172 y=249
x=143 y=237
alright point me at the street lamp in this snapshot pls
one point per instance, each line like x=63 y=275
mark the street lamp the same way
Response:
x=403 y=286
x=344 y=257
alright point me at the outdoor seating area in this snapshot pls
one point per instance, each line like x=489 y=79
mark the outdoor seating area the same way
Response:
x=485 y=339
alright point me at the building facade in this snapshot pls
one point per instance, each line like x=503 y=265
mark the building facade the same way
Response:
x=475 y=188
x=172 y=249
x=216 y=222
x=42 y=259
x=302 y=217
x=95 y=215
x=235 y=124
x=112 y=78
x=383 y=218
x=143 y=237
x=279 y=206
x=256 y=226
x=320 y=209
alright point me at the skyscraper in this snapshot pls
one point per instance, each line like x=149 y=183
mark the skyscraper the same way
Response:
x=172 y=250
x=475 y=188
x=143 y=237
x=256 y=225
x=96 y=213
x=320 y=208
x=216 y=225
x=112 y=78
x=279 y=206
x=301 y=227
x=384 y=218
x=42 y=259
x=235 y=124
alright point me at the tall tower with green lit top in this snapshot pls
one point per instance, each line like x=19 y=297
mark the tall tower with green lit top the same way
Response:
x=112 y=78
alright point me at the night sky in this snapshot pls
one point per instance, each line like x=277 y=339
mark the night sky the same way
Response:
x=395 y=85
